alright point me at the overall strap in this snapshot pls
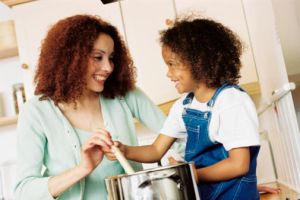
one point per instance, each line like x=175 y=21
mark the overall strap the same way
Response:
x=212 y=101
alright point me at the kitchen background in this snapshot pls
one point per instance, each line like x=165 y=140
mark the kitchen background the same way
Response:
x=269 y=28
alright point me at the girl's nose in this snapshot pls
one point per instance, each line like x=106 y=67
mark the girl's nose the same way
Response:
x=168 y=74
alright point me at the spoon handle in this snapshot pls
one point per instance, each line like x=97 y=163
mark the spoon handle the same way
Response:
x=123 y=161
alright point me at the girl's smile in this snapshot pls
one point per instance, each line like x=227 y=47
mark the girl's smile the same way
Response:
x=178 y=71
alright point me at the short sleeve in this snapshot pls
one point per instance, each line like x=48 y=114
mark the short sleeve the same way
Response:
x=174 y=125
x=238 y=121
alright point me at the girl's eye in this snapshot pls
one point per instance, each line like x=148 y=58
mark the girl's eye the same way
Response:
x=171 y=65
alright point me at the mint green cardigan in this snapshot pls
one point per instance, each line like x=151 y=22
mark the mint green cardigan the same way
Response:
x=48 y=145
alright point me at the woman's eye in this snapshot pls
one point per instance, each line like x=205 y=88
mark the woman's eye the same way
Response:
x=98 y=58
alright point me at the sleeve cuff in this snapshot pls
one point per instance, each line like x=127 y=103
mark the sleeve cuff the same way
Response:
x=240 y=143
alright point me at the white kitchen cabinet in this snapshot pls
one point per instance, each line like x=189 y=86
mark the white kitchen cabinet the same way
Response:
x=32 y=21
x=231 y=14
x=142 y=31
x=143 y=20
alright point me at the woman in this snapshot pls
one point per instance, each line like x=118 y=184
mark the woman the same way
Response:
x=85 y=83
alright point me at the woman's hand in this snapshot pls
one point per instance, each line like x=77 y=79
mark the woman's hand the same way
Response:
x=93 y=150
x=110 y=154
x=91 y=155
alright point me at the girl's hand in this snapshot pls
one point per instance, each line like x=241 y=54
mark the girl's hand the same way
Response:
x=109 y=153
x=267 y=189
x=172 y=161
x=92 y=151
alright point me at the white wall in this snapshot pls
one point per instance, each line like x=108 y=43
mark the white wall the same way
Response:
x=287 y=14
x=10 y=73
x=7 y=160
x=7 y=144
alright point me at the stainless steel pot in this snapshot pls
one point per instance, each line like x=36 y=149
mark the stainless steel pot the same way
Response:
x=172 y=182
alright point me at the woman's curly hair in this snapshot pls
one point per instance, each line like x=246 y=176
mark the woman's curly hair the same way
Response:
x=64 y=56
x=211 y=50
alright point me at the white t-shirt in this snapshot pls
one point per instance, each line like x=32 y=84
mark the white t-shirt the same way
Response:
x=234 y=121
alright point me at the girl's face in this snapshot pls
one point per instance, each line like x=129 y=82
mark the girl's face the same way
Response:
x=178 y=71
x=100 y=64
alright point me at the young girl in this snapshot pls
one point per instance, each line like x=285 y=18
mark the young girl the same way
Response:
x=216 y=115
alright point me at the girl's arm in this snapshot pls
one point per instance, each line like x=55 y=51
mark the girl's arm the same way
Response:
x=237 y=164
x=147 y=153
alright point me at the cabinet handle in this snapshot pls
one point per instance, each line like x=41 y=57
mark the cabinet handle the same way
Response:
x=169 y=22
x=24 y=66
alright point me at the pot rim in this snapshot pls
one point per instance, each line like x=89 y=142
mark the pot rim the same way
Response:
x=149 y=170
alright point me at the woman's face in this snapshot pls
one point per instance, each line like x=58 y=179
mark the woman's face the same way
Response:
x=178 y=71
x=100 y=64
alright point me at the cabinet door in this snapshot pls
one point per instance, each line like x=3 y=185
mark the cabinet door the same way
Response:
x=143 y=20
x=230 y=13
x=32 y=21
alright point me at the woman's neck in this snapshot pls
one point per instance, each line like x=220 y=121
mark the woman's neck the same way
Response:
x=86 y=114
x=87 y=101
x=203 y=93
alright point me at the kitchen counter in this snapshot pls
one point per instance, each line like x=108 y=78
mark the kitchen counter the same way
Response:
x=286 y=193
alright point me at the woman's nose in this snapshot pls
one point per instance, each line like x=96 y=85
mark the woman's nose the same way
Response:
x=108 y=65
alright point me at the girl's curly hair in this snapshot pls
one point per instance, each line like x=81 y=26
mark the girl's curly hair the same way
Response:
x=64 y=56
x=210 y=49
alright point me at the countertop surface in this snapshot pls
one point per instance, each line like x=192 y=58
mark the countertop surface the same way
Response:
x=285 y=194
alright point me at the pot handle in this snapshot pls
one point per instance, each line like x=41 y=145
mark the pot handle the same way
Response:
x=172 y=175
x=176 y=178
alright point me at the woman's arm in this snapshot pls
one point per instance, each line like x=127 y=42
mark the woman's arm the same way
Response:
x=237 y=164
x=91 y=156
x=58 y=184
x=142 y=108
x=30 y=183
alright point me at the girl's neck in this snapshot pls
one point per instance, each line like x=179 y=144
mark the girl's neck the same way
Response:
x=203 y=93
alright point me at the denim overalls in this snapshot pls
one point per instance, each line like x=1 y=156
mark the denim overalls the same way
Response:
x=204 y=152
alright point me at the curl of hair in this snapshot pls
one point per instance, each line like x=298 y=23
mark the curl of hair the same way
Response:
x=64 y=55
x=211 y=50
